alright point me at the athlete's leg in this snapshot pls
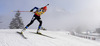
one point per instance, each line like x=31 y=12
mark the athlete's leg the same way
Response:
x=40 y=24
x=32 y=20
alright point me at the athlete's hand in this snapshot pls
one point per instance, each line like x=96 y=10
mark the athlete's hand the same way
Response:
x=31 y=10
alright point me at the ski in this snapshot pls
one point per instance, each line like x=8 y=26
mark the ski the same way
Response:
x=43 y=35
x=22 y=35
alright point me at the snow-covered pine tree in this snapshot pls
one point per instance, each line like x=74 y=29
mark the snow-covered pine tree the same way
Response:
x=0 y=19
x=16 y=22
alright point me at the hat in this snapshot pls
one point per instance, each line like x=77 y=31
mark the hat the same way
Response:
x=45 y=8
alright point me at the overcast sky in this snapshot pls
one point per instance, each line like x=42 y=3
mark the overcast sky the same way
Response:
x=61 y=14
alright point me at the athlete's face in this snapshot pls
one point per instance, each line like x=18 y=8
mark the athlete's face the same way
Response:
x=44 y=10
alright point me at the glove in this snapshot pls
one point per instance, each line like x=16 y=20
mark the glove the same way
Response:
x=31 y=10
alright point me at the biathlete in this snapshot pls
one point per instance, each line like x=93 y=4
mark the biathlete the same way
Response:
x=36 y=16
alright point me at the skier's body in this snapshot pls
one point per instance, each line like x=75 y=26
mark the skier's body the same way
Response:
x=37 y=14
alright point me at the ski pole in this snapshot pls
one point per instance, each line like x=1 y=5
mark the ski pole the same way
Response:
x=22 y=11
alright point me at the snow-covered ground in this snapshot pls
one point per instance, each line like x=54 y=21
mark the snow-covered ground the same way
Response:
x=9 y=37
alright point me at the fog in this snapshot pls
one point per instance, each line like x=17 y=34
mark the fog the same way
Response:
x=61 y=14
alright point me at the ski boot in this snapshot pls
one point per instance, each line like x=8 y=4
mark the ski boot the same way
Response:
x=38 y=31
x=43 y=28
x=23 y=30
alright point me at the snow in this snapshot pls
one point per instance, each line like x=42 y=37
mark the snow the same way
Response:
x=9 y=37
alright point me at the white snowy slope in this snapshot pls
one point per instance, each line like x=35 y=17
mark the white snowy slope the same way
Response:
x=9 y=37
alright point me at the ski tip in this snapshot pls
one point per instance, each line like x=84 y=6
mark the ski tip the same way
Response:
x=22 y=35
x=25 y=38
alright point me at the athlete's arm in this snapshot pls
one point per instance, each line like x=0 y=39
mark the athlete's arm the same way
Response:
x=33 y=9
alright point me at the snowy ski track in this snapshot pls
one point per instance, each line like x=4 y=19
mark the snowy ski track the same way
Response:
x=9 y=37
